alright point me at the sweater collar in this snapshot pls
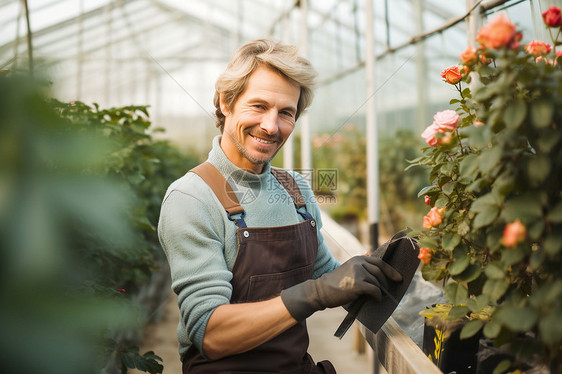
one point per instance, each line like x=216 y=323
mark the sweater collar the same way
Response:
x=228 y=169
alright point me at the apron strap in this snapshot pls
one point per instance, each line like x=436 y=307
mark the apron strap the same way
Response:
x=290 y=185
x=223 y=191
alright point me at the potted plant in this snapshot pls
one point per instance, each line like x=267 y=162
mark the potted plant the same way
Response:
x=493 y=235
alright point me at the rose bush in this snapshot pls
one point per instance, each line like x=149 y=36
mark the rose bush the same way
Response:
x=493 y=235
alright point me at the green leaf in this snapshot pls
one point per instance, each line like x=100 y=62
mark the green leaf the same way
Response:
x=486 y=216
x=459 y=265
x=489 y=159
x=535 y=229
x=478 y=137
x=456 y=293
x=428 y=243
x=515 y=113
x=483 y=201
x=502 y=367
x=457 y=312
x=555 y=215
x=472 y=272
x=550 y=327
x=424 y=191
x=442 y=201
x=492 y=329
x=494 y=271
x=526 y=207
x=447 y=168
x=553 y=243
x=450 y=240
x=542 y=111
x=516 y=318
x=449 y=188
x=478 y=303
x=512 y=256
x=471 y=328
x=494 y=235
x=548 y=140
x=128 y=361
x=538 y=169
x=495 y=288
x=468 y=165
x=433 y=272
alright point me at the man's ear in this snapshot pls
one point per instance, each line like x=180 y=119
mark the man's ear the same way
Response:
x=224 y=108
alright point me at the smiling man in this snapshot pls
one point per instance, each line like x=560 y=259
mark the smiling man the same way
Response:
x=248 y=272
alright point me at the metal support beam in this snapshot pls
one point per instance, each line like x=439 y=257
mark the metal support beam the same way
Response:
x=372 y=135
x=29 y=38
x=421 y=69
x=80 y=52
x=306 y=161
x=288 y=148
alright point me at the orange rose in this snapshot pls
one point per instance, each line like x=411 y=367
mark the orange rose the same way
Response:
x=469 y=57
x=500 y=32
x=485 y=60
x=451 y=75
x=552 y=17
x=433 y=218
x=514 y=233
x=538 y=48
x=425 y=255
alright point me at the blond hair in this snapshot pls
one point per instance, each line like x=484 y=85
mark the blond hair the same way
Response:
x=280 y=57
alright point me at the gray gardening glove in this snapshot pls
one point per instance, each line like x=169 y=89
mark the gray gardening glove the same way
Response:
x=360 y=275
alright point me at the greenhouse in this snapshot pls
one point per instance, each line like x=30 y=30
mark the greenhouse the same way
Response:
x=150 y=178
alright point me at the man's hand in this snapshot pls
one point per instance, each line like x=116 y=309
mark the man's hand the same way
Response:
x=360 y=275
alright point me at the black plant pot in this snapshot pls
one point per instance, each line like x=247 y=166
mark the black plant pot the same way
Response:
x=442 y=344
x=488 y=357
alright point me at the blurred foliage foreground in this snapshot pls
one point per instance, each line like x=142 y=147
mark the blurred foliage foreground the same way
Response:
x=80 y=192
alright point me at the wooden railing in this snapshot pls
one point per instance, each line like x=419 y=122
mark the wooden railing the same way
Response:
x=395 y=353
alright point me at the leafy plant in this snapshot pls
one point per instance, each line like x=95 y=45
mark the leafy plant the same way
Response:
x=80 y=189
x=493 y=235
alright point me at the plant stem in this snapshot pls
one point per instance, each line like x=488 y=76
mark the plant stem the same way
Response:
x=460 y=143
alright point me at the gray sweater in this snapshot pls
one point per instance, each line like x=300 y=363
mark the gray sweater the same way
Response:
x=200 y=241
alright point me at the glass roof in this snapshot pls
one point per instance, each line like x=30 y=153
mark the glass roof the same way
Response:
x=168 y=53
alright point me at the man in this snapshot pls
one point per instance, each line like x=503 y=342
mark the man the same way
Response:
x=248 y=273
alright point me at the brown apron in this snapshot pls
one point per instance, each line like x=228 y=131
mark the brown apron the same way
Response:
x=269 y=260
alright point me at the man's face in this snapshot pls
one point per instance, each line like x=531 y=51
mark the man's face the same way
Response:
x=261 y=120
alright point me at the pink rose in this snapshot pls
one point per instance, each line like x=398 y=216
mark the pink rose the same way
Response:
x=425 y=255
x=514 y=233
x=446 y=120
x=429 y=135
x=552 y=17
x=537 y=48
x=469 y=56
x=451 y=75
x=433 y=218
x=500 y=32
